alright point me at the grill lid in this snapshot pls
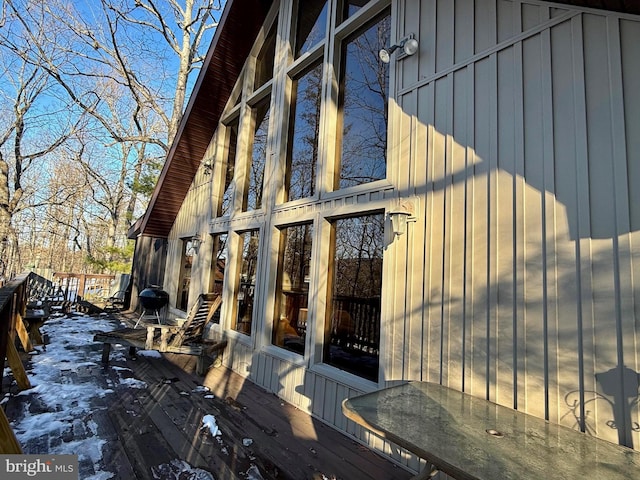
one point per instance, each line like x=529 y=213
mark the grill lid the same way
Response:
x=153 y=297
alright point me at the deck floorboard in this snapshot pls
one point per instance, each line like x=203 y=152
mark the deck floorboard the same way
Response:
x=157 y=418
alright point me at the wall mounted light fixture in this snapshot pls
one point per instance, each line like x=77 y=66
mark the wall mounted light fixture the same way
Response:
x=207 y=167
x=403 y=213
x=196 y=241
x=408 y=44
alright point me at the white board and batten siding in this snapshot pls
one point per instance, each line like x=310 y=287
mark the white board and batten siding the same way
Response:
x=516 y=127
x=525 y=155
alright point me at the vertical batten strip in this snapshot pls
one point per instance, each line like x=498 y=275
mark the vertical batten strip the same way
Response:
x=518 y=231
x=622 y=249
x=447 y=270
x=550 y=272
x=493 y=351
x=470 y=160
x=583 y=264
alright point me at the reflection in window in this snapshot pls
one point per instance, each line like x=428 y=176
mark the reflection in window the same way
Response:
x=232 y=142
x=218 y=265
x=264 y=64
x=247 y=287
x=302 y=154
x=184 y=281
x=253 y=195
x=364 y=90
x=290 y=319
x=218 y=262
x=311 y=25
x=352 y=333
x=351 y=7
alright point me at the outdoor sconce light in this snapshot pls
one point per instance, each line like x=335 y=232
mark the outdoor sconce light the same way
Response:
x=408 y=44
x=196 y=241
x=400 y=216
x=207 y=167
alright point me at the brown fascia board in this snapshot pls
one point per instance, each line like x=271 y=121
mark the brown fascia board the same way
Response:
x=623 y=6
x=236 y=32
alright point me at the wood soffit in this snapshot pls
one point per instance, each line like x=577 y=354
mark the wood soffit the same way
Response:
x=241 y=20
x=234 y=37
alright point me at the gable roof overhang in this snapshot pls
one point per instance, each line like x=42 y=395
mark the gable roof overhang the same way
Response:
x=234 y=37
x=240 y=23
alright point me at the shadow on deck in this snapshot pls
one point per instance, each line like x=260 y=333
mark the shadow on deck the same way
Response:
x=150 y=423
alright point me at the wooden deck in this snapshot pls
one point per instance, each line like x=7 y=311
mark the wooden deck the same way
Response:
x=286 y=443
x=145 y=428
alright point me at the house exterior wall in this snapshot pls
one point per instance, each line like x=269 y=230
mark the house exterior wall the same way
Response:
x=148 y=269
x=523 y=150
x=514 y=135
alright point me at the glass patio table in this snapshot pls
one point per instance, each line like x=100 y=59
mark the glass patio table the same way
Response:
x=470 y=438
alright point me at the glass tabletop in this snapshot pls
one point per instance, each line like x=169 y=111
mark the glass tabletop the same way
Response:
x=471 y=438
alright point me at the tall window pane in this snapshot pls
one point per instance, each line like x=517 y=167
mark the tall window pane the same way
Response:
x=352 y=334
x=253 y=195
x=364 y=90
x=311 y=26
x=218 y=265
x=247 y=285
x=264 y=64
x=184 y=281
x=290 y=319
x=302 y=154
x=232 y=142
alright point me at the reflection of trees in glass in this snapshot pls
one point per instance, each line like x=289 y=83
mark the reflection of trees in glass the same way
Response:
x=303 y=144
x=227 y=197
x=218 y=262
x=350 y=7
x=297 y=255
x=250 y=243
x=363 y=104
x=253 y=196
x=352 y=333
x=358 y=256
x=290 y=319
x=312 y=24
x=246 y=291
x=264 y=64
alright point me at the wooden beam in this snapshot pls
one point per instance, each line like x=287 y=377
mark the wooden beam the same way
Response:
x=23 y=335
x=15 y=363
x=8 y=442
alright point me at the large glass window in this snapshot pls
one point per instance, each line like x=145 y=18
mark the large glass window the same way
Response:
x=184 y=281
x=218 y=266
x=250 y=241
x=352 y=333
x=264 y=63
x=232 y=143
x=362 y=102
x=311 y=25
x=253 y=195
x=290 y=318
x=302 y=154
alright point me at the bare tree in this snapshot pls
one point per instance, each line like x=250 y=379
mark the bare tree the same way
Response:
x=22 y=151
x=108 y=59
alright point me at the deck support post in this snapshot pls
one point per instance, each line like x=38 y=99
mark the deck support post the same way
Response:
x=106 y=350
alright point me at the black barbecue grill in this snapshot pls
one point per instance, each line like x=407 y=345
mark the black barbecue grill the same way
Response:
x=152 y=299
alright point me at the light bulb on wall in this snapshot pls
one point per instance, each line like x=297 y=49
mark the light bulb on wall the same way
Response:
x=408 y=44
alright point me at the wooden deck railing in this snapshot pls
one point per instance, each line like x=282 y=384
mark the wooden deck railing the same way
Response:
x=14 y=296
x=13 y=306
x=356 y=323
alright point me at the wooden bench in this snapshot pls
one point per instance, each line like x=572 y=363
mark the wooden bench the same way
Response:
x=186 y=337
x=470 y=438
